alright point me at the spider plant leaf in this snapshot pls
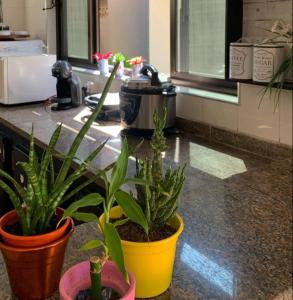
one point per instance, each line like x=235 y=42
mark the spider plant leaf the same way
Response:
x=113 y=243
x=77 y=141
x=85 y=217
x=94 y=244
x=94 y=199
x=121 y=222
x=120 y=169
x=131 y=209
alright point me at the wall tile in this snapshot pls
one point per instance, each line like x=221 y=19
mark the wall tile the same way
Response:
x=257 y=120
x=189 y=107
x=286 y=118
x=220 y=114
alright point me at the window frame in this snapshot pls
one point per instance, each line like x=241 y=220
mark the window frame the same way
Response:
x=233 y=31
x=93 y=35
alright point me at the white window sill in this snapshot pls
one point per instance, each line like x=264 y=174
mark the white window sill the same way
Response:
x=207 y=94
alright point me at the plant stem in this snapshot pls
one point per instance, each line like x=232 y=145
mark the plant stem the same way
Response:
x=96 y=280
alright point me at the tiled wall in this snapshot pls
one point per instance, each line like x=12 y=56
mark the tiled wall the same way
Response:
x=248 y=117
x=261 y=14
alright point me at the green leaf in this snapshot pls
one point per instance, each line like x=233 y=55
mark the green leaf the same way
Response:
x=92 y=245
x=89 y=200
x=113 y=244
x=120 y=169
x=135 y=180
x=121 y=222
x=85 y=217
x=77 y=141
x=131 y=209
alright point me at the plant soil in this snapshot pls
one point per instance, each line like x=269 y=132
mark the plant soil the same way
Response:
x=15 y=228
x=133 y=233
x=86 y=295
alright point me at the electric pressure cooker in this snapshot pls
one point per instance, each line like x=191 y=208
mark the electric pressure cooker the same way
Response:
x=141 y=96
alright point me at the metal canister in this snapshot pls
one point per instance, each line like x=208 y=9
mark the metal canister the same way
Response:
x=267 y=59
x=240 y=61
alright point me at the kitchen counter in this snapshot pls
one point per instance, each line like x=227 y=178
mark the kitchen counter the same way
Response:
x=237 y=208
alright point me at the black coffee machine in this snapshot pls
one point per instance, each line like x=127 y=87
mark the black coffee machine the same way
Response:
x=69 y=90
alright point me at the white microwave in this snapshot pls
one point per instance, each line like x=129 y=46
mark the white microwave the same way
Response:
x=25 y=79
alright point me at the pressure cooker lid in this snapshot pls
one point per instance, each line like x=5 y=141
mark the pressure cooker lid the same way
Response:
x=148 y=80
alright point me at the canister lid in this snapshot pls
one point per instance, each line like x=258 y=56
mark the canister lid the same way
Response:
x=241 y=44
x=268 y=46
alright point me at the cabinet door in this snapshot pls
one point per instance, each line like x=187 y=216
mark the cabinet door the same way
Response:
x=5 y=164
x=3 y=80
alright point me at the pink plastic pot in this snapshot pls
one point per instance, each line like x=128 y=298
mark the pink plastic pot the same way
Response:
x=77 y=278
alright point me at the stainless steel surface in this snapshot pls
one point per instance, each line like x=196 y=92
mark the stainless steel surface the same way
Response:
x=137 y=110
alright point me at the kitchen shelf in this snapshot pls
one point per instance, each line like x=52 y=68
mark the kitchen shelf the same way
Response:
x=287 y=85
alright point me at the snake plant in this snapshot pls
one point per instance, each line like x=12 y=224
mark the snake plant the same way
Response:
x=36 y=203
x=159 y=198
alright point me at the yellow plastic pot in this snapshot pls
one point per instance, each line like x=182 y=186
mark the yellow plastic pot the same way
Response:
x=151 y=263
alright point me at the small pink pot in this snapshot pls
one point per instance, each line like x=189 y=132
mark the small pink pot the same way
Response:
x=77 y=278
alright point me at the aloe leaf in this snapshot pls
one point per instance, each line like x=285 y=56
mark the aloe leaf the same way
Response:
x=135 y=180
x=92 y=245
x=120 y=169
x=12 y=195
x=49 y=152
x=113 y=243
x=77 y=141
x=131 y=209
x=33 y=180
x=20 y=190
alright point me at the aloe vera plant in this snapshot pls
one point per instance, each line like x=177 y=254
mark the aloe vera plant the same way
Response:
x=36 y=203
x=159 y=198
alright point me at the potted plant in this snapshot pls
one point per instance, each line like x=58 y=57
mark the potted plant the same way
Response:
x=137 y=64
x=103 y=62
x=121 y=58
x=283 y=34
x=149 y=251
x=33 y=240
x=99 y=271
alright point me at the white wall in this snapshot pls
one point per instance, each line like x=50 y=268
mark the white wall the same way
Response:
x=126 y=28
x=13 y=14
x=262 y=122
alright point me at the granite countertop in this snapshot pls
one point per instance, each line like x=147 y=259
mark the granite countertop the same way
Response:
x=237 y=208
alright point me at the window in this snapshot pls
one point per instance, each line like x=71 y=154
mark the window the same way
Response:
x=201 y=33
x=77 y=32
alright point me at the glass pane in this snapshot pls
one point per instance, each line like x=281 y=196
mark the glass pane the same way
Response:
x=201 y=37
x=77 y=28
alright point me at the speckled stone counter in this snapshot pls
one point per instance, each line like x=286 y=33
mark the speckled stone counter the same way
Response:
x=237 y=208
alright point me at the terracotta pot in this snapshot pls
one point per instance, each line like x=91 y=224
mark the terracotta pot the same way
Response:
x=34 y=273
x=77 y=279
x=34 y=240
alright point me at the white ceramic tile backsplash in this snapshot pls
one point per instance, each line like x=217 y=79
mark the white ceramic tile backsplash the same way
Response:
x=220 y=114
x=188 y=108
x=259 y=120
x=286 y=118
